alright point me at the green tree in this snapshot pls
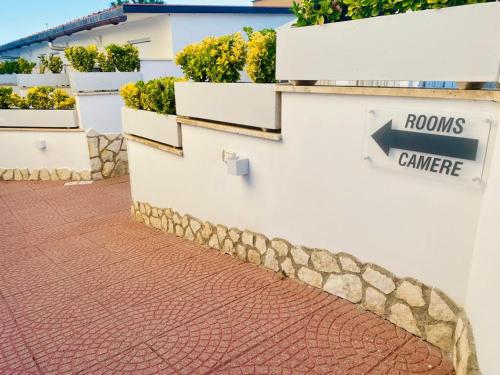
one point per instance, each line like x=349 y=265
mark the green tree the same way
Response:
x=121 y=2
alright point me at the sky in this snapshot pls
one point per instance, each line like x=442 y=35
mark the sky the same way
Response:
x=21 y=18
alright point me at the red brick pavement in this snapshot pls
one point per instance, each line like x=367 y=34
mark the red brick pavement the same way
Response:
x=85 y=290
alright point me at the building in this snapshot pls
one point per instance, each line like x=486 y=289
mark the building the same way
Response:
x=158 y=31
x=273 y=3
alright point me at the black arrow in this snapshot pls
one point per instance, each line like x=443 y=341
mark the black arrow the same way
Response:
x=444 y=145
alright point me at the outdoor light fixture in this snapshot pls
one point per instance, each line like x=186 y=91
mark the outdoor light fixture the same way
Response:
x=41 y=144
x=235 y=165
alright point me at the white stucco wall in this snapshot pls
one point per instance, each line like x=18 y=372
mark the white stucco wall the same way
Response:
x=483 y=304
x=189 y=28
x=64 y=150
x=315 y=189
x=100 y=111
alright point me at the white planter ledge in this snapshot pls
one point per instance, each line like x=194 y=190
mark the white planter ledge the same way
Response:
x=153 y=126
x=37 y=118
x=248 y=104
x=47 y=79
x=453 y=44
x=101 y=81
x=8 y=79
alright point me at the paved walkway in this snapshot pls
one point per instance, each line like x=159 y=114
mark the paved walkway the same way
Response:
x=83 y=289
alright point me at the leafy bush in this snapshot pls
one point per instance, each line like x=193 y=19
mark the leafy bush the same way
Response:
x=261 y=55
x=5 y=97
x=115 y=57
x=44 y=64
x=82 y=58
x=214 y=59
x=318 y=12
x=19 y=101
x=40 y=97
x=55 y=64
x=124 y=58
x=157 y=95
x=131 y=94
x=62 y=100
x=18 y=66
x=24 y=66
x=37 y=98
x=104 y=62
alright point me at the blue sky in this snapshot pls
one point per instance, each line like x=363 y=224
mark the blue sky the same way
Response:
x=20 y=18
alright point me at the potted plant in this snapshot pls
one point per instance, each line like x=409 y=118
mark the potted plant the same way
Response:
x=11 y=68
x=50 y=74
x=391 y=40
x=214 y=66
x=43 y=107
x=104 y=70
x=149 y=111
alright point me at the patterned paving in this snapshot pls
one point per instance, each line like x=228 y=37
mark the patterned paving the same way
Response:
x=83 y=290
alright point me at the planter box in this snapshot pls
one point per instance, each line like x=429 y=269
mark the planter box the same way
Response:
x=47 y=79
x=8 y=79
x=154 y=126
x=451 y=44
x=248 y=104
x=38 y=118
x=101 y=81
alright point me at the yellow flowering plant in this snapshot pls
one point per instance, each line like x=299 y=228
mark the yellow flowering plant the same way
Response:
x=214 y=59
x=261 y=55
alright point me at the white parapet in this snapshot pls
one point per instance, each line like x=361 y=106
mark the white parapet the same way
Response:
x=248 y=104
x=101 y=81
x=452 y=44
x=150 y=125
x=47 y=79
x=38 y=118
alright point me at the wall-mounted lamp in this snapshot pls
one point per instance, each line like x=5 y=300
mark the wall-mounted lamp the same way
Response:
x=235 y=165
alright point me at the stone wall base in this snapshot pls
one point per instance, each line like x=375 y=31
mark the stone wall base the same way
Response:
x=108 y=155
x=422 y=310
x=44 y=174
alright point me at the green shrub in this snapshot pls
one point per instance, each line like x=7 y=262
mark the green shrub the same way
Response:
x=104 y=62
x=52 y=63
x=214 y=59
x=21 y=65
x=55 y=64
x=156 y=95
x=37 y=98
x=318 y=12
x=131 y=94
x=18 y=101
x=62 y=100
x=82 y=58
x=24 y=66
x=44 y=64
x=261 y=55
x=40 y=97
x=124 y=58
x=5 y=97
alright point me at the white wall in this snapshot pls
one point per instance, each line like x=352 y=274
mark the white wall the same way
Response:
x=64 y=150
x=159 y=68
x=315 y=189
x=100 y=111
x=483 y=304
x=189 y=28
